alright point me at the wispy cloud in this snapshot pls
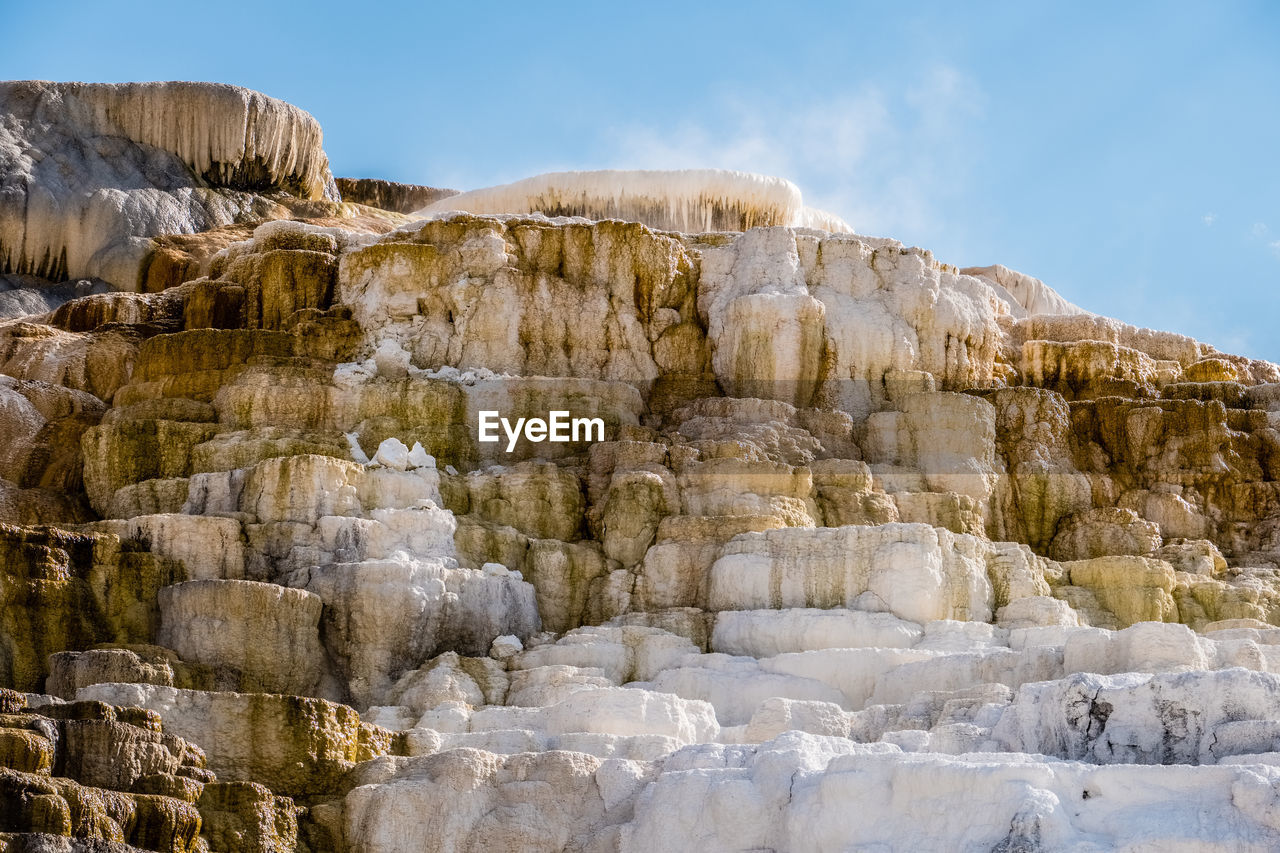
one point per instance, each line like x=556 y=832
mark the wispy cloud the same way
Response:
x=1262 y=232
x=887 y=159
x=1208 y=219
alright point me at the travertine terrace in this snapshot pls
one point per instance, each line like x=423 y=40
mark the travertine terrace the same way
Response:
x=877 y=553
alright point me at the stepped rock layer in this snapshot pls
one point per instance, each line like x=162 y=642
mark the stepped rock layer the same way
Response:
x=858 y=529
x=90 y=171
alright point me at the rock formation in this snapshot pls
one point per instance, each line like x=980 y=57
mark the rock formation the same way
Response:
x=688 y=200
x=389 y=195
x=90 y=172
x=858 y=529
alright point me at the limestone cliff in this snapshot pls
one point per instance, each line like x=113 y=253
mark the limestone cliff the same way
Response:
x=861 y=529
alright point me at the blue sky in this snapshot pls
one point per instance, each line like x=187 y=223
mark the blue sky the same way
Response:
x=1124 y=153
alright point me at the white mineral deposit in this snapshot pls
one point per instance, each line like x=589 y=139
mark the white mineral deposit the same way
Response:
x=599 y=511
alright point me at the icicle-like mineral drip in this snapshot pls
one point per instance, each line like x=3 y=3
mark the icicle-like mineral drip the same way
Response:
x=688 y=200
x=228 y=135
x=93 y=170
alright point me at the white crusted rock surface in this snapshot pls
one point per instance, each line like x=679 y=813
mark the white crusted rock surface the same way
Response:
x=845 y=549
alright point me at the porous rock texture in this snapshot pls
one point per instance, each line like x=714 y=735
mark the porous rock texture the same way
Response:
x=872 y=552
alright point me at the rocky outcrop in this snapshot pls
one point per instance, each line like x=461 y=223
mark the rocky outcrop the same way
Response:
x=689 y=200
x=62 y=590
x=92 y=171
x=96 y=777
x=1025 y=295
x=843 y=519
x=389 y=195
x=294 y=746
